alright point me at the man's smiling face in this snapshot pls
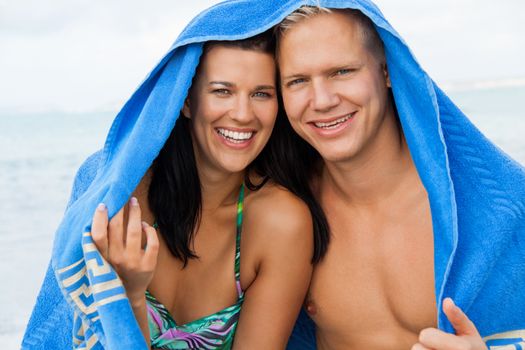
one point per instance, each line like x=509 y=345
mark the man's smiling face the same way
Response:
x=335 y=89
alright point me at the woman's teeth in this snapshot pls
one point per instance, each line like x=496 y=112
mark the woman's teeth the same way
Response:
x=235 y=136
x=333 y=124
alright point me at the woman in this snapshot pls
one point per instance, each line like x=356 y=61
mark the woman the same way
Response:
x=225 y=257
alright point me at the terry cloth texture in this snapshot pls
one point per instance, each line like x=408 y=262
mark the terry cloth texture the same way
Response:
x=476 y=192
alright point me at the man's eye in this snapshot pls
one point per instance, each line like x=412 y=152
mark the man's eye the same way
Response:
x=295 y=82
x=343 y=71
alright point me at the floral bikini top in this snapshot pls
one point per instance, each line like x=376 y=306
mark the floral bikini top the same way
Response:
x=215 y=331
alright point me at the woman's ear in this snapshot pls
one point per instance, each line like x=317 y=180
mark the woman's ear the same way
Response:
x=186 y=108
x=387 y=76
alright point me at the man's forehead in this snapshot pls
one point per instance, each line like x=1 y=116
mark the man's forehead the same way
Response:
x=335 y=20
x=318 y=29
x=311 y=44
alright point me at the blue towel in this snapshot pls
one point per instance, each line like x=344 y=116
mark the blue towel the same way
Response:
x=476 y=192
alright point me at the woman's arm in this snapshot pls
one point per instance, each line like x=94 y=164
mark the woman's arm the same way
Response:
x=120 y=243
x=279 y=231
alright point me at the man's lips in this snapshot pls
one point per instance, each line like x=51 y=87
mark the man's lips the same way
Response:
x=332 y=123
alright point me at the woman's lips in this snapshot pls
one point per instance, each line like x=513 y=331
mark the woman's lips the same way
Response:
x=235 y=138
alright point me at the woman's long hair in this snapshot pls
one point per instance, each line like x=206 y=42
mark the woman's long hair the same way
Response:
x=175 y=191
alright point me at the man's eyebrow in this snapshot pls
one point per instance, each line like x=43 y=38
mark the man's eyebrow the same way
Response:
x=294 y=76
x=349 y=65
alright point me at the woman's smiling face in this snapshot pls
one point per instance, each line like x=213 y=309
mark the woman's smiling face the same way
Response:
x=232 y=107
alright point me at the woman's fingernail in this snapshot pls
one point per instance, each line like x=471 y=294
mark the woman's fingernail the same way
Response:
x=101 y=207
x=145 y=224
x=133 y=201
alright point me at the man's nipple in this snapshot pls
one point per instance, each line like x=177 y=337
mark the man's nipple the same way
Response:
x=310 y=307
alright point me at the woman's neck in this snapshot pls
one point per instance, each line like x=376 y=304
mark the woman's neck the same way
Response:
x=219 y=188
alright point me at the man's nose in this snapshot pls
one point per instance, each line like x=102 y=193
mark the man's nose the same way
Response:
x=323 y=98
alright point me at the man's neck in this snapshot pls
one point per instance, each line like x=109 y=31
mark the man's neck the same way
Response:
x=376 y=175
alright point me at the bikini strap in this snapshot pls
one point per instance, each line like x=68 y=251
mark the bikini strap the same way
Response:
x=240 y=202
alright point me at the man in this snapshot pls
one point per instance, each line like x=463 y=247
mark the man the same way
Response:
x=387 y=271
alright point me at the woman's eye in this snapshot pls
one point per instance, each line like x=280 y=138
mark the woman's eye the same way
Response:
x=221 y=92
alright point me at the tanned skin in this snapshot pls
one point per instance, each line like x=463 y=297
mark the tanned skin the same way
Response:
x=235 y=90
x=375 y=287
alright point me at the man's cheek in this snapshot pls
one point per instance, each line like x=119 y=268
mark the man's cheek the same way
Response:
x=292 y=107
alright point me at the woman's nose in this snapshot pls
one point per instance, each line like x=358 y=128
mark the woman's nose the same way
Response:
x=242 y=111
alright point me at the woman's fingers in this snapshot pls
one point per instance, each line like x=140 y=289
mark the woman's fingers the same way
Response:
x=116 y=238
x=121 y=239
x=99 y=229
x=120 y=243
x=134 y=230
x=152 y=247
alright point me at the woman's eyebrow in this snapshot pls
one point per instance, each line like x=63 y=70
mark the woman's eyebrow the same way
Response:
x=225 y=83
x=265 y=87
x=229 y=84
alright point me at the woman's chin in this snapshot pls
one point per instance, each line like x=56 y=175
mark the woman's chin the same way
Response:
x=237 y=168
x=235 y=164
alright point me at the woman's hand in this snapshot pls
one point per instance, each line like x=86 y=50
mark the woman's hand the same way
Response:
x=120 y=243
x=466 y=338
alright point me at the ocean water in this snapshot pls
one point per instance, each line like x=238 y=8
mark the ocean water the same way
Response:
x=499 y=114
x=39 y=156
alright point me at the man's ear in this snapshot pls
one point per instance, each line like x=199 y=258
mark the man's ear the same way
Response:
x=387 y=76
x=186 y=108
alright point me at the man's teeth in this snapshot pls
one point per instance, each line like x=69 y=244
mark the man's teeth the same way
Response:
x=333 y=123
x=235 y=136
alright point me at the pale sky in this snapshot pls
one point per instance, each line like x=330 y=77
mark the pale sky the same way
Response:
x=80 y=55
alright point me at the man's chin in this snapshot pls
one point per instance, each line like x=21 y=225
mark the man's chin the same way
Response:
x=337 y=157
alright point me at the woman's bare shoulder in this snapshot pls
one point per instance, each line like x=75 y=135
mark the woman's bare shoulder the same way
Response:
x=275 y=212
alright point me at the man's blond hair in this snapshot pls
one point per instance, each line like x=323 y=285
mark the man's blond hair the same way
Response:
x=367 y=31
x=299 y=15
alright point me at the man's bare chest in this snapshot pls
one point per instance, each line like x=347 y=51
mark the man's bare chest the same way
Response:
x=377 y=278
